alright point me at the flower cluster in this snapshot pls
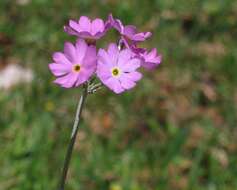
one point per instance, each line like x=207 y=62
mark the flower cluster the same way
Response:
x=117 y=67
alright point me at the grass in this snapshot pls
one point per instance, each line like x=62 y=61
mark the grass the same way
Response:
x=175 y=130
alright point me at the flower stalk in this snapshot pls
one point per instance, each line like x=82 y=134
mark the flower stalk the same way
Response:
x=73 y=138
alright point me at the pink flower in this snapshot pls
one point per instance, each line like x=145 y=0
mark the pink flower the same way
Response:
x=128 y=32
x=150 y=59
x=87 y=29
x=75 y=65
x=117 y=69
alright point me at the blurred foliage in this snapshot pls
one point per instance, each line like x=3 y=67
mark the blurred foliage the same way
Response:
x=175 y=130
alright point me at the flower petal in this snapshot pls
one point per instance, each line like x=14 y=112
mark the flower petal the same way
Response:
x=113 y=52
x=74 y=25
x=150 y=65
x=85 y=23
x=151 y=54
x=124 y=56
x=59 y=57
x=133 y=76
x=141 y=36
x=59 y=69
x=90 y=58
x=82 y=77
x=116 y=23
x=104 y=57
x=130 y=65
x=70 y=52
x=97 y=25
x=67 y=81
x=81 y=48
x=129 y=30
x=70 y=30
x=126 y=82
x=103 y=72
x=114 y=85
x=151 y=59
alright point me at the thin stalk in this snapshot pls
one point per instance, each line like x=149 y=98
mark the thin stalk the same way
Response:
x=73 y=138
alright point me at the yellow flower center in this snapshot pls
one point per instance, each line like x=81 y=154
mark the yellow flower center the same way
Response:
x=76 y=68
x=115 y=72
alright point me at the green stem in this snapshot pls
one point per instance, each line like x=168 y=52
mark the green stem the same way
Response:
x=73 y=138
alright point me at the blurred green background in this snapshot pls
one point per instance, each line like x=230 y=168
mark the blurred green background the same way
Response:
x=175 y=130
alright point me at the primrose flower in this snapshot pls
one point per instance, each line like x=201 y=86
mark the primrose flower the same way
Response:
x=75 y=65
x=86 y=28
x=150 y=59
x=129 y=32
x=117 y=69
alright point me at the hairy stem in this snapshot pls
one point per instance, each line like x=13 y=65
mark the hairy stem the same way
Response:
x=73 y=138
x=94 y=87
